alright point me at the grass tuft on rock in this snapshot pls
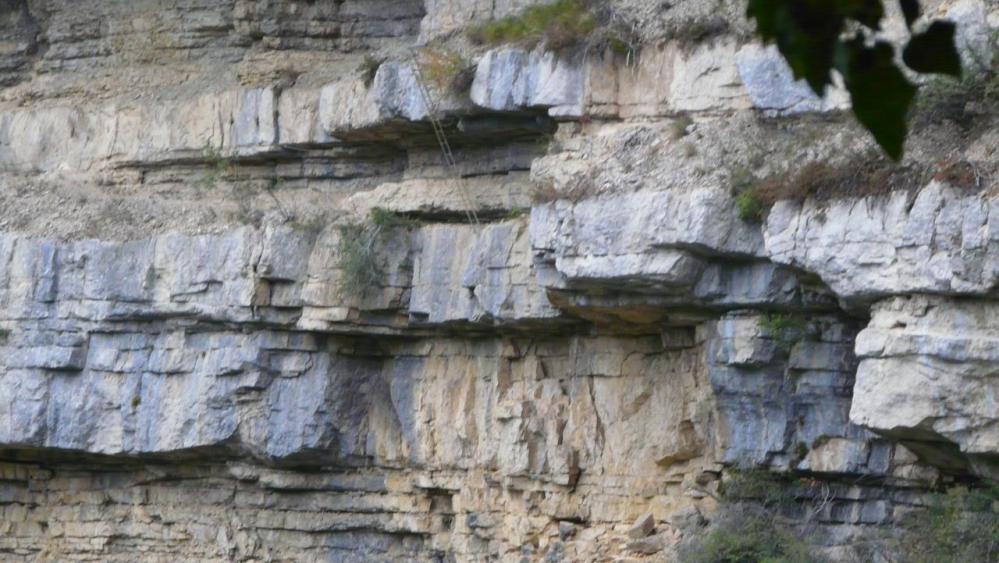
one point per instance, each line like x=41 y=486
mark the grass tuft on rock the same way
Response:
x=558 y=25
x=786 y=330
x=678 y=128
x=369 y=68
x=446 y=70
x=219 y=166
x=358 y=255
x=358 y=250
x=385 y=219
x=751 y=209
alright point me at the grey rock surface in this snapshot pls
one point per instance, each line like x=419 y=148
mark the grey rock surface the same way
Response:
x=938 y=240
x=772 y=87
x=510 y=79
x=566 y=330
x=926 y=374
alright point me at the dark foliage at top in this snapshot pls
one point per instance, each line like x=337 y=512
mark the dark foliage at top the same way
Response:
x=812 y=36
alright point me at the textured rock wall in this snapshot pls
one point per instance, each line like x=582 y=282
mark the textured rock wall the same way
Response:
x=573 y=338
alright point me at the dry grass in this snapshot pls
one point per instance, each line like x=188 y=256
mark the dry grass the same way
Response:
x=368 y=68
x=678 y=128
x=446 y=70
x=559 y=25
x=871 y=175
x=866 y=175
x=959 y=174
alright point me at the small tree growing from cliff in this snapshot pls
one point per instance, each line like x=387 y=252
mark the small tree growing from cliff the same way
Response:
x=358 y=250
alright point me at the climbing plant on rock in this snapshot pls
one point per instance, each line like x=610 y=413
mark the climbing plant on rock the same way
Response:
x=819 y=36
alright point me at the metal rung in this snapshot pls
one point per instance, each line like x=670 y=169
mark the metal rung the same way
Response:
x=441 y=136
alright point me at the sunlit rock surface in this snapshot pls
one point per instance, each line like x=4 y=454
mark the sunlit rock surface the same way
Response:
x=567 y=341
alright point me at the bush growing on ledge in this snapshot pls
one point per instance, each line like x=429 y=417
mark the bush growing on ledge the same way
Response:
x=368 y=68
x=961 y=525
x=446 y=70
x=358 y=250
x=558 y=25
x=752 y=526
x=358 y=259
x=750 y=535
x=750 y=207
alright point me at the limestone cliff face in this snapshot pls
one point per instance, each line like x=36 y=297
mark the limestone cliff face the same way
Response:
x=572 y=327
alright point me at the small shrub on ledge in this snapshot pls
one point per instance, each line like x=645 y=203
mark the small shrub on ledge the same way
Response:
x=358 y=259
x=369 y=68
x=750 y=208
x=446 y=70
x=760 y=518
x=558 y=25
x=358 y=250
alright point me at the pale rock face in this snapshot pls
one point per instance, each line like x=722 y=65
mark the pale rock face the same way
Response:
x=621 y=228
x=926 y=373
x=772 y=87
x=510 y=79
x=69 y=139
x=458 y=197
x=707 y=79
x=974 y=36
x=349 y=105
x=571 y=331
x=477 y=275
x=299 y=122
x=940 y=241
x=783 y=395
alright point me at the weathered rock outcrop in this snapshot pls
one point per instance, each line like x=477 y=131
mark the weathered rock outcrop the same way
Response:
x=572 y=337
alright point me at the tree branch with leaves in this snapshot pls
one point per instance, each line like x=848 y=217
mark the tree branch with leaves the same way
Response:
x=817 y=37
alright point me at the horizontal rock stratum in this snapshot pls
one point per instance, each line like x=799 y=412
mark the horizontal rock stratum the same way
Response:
x=273 y=289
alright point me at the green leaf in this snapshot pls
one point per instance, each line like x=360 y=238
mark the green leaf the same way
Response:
x=880 y=93
x=765 y=14
x=807 y=33
x=933 y=51
x=911 y=10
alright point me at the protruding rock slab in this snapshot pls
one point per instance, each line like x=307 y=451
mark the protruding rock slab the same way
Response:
x=938 y=240
x=928 y=375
